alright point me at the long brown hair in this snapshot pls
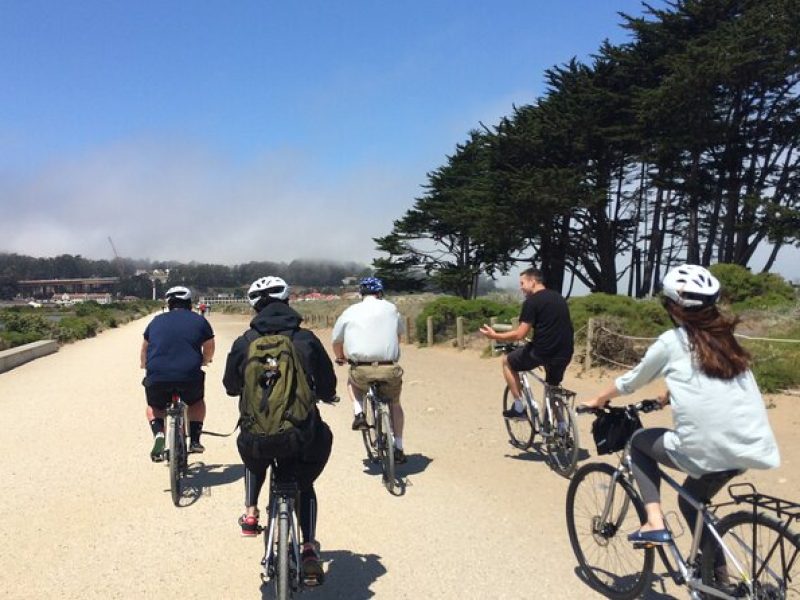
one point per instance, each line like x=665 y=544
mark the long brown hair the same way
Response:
x=711 y=340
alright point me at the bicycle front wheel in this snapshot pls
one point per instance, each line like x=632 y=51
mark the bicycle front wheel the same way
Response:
x=177 y=456
x=563 y=446
x=520 y=431
x=282 y=590
x=601 y=512
x=764 y=561
x=387 y=449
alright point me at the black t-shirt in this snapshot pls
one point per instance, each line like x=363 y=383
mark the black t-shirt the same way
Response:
x=548 y=314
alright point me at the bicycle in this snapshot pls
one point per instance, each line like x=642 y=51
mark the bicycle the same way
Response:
x=176 y=452
x=744 y=554
x=379 y=435
x=555 y=423
x=281 y=563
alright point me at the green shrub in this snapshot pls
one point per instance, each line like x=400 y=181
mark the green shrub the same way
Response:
x=475 y=312
x=76 y=328
x=641 y=318
x=744 y=289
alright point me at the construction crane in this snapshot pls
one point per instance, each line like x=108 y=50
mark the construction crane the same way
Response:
x=117 y=259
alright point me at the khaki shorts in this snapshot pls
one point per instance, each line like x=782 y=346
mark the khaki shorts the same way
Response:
x=362 y=375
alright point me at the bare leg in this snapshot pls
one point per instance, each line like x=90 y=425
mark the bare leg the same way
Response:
x=356 y=397
x=197 y=412
x=511 y=378
x=398 y=418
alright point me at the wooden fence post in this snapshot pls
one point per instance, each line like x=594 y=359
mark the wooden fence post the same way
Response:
x=587 y=361
x=460 y=332
x=430 y=332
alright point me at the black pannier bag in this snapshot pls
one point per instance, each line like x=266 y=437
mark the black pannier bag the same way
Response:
x=613 y=427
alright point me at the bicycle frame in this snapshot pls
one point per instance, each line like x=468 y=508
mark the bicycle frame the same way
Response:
x=546 y=415
x=686 y=573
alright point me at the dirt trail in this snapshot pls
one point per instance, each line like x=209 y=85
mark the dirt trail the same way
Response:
x=85 y=514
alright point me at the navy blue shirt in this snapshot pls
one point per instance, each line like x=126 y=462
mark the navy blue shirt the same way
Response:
x=175 y=346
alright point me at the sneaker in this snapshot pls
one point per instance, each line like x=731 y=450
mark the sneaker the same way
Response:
x=400 y=457
x=513 y=414
x=360 y=422
x=196 y=448
x=249 y=525
x=561 y=428
x=157 y=453
x=312 y=567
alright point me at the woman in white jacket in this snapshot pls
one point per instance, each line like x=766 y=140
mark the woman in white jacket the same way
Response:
x=720 y=422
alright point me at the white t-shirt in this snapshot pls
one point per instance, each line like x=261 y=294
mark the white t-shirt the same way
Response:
x=370 y=330
x=719 y=424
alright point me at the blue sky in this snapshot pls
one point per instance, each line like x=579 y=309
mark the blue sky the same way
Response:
x=229 y=132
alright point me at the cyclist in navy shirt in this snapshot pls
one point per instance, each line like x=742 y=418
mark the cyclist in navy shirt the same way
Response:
x=176 y=345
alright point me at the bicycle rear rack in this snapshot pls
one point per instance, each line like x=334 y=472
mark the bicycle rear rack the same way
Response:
x=567 y=397
x=785 y=509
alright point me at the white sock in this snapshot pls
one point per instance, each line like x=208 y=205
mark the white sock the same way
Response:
x=358 y=408
x=518 y=405
x=398 y=442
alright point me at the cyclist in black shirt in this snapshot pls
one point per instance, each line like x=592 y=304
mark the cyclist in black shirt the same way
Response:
x=545 y=312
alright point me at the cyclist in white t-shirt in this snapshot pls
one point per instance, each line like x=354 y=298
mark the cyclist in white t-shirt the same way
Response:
x=367 y=335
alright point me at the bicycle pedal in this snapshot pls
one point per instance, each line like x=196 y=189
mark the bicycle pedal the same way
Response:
x=643 y=545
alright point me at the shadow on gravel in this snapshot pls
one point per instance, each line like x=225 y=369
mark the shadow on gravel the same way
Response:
x=200 y=477
x=659 y=581
x=416 y=463
x=347 y=576
x=538 y=454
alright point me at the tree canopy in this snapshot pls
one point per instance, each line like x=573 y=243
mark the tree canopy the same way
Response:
x=679 y=145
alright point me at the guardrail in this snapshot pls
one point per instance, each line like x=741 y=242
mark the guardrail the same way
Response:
x=14 y=357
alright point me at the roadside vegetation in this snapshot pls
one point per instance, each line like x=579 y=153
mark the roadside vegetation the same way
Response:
x=24 y=324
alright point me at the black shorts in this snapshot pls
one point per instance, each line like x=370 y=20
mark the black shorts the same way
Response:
x=159 y=394
x=525 y=359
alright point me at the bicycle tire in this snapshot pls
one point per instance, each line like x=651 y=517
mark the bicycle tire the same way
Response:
x=177 y=452
x=387 y=449
x=607 y=560
x=563 y=448
x=282 y=589
x=779 y=577
x=520 y=431
x=369 y=435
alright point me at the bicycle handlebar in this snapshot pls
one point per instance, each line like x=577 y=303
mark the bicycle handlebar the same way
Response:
x=644 y=406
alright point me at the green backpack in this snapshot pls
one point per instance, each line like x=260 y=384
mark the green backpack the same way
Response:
x=277 y=404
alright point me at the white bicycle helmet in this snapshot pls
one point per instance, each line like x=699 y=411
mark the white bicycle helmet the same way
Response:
x=272 y=287
x=178 y=292
x=691 y=286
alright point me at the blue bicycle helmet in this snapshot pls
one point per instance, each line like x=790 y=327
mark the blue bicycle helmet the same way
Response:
x=370 y=285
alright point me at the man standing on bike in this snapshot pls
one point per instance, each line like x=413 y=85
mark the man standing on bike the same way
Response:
x=545 y=312
x=367 y=335
x=176 y=345
x=269 y=297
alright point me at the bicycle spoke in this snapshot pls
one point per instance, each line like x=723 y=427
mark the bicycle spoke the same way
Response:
x=608 y=561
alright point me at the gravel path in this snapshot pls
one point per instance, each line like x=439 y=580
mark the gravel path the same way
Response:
x=85 y=514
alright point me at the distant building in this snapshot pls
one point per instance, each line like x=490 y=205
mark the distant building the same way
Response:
x=45 y=288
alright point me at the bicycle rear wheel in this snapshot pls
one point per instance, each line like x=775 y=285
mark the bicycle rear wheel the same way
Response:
x=563 y=446
x=282 y=588
x=520 y=431
x=607 y=559
x=177 y=458
x=387 y=449
x=368 y=435
x=768 y=559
